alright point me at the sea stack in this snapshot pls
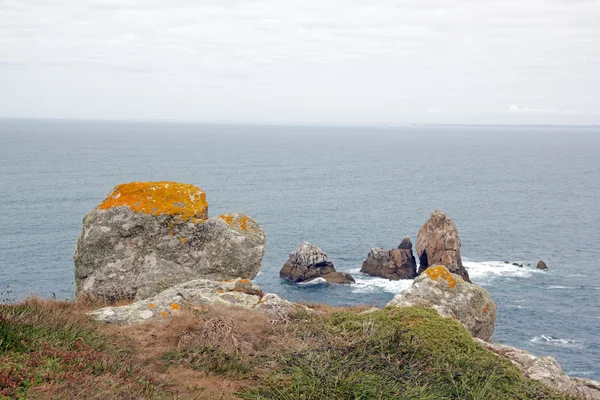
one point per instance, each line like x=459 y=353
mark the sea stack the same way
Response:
x=308 y=263
x=148 y=236
x=542 y=265
x=438 y=243
x=392 y=264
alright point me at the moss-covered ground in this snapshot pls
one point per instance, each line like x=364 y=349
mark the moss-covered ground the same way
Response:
x=51 y=349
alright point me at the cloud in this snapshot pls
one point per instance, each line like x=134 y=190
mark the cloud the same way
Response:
x=301 y=60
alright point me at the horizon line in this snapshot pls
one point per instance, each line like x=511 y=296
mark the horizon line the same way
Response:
x=302 y=123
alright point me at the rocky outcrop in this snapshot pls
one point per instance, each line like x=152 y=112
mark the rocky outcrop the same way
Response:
x=546 y=370
x=148 y=236
x=392 y=264
x=452 y=297
x=438 y=243
x=308 y=263
x=542 y=265
x=196 y=294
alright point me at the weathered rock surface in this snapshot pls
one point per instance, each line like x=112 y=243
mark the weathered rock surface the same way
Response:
x=438 y=243
x=542 y=265
x=392 y=264
x=451 y=297
x=546 y=370
x=148 y=236
x=197 y=293
x=308 y=263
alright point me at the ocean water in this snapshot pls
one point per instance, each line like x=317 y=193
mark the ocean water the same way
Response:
x=517 y=194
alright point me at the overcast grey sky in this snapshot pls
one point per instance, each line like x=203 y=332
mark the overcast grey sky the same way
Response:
x=382 y=61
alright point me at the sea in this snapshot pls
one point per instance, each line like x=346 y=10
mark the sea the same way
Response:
x=516 y=193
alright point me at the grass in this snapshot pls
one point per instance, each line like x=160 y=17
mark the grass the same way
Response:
x=51 y=349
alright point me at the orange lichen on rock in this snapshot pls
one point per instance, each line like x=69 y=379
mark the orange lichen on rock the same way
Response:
x=242 y=223
x=441 y=272
x=151 y=305
x=486 y=308
x=220 y=291
x=227 y=218
x=160 y=198
x=175 y=306
x=244 y=281
x=164 y=313
x=182 y=240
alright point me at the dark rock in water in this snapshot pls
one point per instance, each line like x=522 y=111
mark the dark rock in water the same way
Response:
x=505 y=262
x=393 y=264
x=310 y=262
x=438 y=243
x=339 y=278
x=515 y=264
x=405 y=244
x=542 y=265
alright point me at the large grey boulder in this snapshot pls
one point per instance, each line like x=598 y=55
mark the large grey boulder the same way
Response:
x=452 y=297
x=392 y=264
x=546 y=370
x=308 y=263
x=438 y=243
x=197 y=294
x=148 y=236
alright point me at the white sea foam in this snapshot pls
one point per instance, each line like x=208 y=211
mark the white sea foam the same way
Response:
x=580 y=373
x=316 y=281
x=552 y=341
x=561 y=287
x=372 y=284
x=482 y=272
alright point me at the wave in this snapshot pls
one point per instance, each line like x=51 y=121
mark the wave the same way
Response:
x=372 y=284
x=580 y=373
x=561 y=287
x=316 y=281
x=482 y=272
x=552 y=341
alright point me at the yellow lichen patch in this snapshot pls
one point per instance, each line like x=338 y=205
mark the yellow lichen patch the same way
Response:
x=175 y=306
x=441 y=272
x=171 y=233
x=486 y=308
x=227 y=218
x=151 y=305
x=164 y=313
x=180 y=200
x=244 y=223
x=182 y=240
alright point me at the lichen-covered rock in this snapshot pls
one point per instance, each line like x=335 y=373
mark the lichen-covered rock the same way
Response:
x=148 y=236
x=278 y=308
x=542 y=265
x=392 y=264
x=546 y=370
x=308 y=263
x=451 y=297
x=438 y=244
x=199 y=293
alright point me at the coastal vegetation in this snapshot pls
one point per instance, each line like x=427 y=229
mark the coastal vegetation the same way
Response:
x=52 y=349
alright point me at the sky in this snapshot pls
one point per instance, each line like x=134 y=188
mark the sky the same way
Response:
x=302 y=61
